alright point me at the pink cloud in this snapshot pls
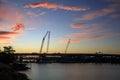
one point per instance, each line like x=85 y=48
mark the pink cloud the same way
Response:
x=103 y=35
x=32 y=14
x=7 y=36
x=71 y=41
x=10 y=13
x=99 y=13
x=49 y=5
x=79 y=25
x=83 y=34
x=91 y=35
x=98 y=36
x=115 y=16
x=18 y=27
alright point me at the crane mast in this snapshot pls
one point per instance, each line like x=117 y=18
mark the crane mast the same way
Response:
x=48 y=41
x=43 y=40
x=67 y=45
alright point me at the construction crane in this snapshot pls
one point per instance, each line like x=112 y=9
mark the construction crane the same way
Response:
x=67 y=45
x=48 y=33
x=48 y=42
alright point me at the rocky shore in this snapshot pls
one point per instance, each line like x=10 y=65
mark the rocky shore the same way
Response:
x=6 y=73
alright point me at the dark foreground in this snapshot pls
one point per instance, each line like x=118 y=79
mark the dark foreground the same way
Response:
x=7 y=73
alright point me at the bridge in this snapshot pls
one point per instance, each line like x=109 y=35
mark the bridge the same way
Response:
x=68 y=58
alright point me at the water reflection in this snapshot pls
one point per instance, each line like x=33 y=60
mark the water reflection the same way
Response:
x=74 y=72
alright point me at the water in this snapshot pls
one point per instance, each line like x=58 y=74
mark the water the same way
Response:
x=57 y=71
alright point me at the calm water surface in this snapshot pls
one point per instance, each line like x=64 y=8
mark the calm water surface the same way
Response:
x=57 y=71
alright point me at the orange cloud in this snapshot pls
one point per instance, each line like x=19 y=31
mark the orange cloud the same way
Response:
x=4 y=38
x=79 y=25
x=7 y=36
x=49 y=5
x=71 y=41
x=99 y=13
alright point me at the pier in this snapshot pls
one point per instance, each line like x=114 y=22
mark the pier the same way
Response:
x=68 y=58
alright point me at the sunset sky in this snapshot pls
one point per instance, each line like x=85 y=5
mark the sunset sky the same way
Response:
x=92 y=25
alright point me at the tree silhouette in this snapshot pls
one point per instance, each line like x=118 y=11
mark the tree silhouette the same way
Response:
x=8 y=50
x=6 y=56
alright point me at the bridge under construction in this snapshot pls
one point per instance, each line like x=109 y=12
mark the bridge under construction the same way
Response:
x=68 y=58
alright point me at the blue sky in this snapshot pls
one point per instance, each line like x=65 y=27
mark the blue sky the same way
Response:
x=92 y=25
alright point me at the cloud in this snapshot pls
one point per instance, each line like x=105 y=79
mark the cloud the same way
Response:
x=114 y=16
x=98 y=36
x=71 y=41
x=102 y=35
x=116 y=1
x=7 y=36
x=79 y=25
x=81 y=34
x=42 y=13
x=99 y=13
x=4 y=38
x=10 y=13
x=5 y=43
x=31 y=28
x=92 y=34
x=49 y=5
x=18 y=27
x=32 y=14
x=8 y=32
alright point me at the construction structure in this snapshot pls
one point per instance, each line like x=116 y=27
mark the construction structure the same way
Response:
x=43 y=40
x=67 y=45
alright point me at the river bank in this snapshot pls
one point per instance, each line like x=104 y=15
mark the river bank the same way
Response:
x=7 y=73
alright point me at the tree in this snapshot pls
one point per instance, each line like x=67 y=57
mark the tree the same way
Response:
x=7 y=56
x=8 y=50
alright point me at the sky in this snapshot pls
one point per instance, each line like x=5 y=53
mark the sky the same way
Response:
x=92 y=25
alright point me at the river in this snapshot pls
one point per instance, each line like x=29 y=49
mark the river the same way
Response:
x=76 y=71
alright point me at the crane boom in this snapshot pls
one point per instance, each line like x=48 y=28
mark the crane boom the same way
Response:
x=48 y=41
x=43 y=40
x=67 y=45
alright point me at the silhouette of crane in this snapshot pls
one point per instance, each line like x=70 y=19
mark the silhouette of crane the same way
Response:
x=67 y=45
x=43 y=40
